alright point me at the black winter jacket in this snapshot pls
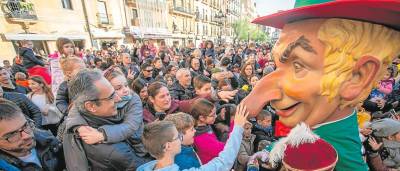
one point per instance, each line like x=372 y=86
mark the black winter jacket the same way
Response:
x=17 y=89
x=62 y=98
x=27 y=106
x=178 y=92
x=29 y=58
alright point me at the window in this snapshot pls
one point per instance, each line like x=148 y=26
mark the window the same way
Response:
x=102 y=12
x=66 y=4
x=134 y=14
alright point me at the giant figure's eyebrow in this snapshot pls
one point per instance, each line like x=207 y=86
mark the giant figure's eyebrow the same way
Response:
x=302 y=42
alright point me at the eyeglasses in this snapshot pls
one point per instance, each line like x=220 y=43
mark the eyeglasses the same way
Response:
x=180 y=137
x=148 y=70
x=17 y=135
x=111 y=97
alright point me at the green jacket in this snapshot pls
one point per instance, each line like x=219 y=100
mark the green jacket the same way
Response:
x=343 y=135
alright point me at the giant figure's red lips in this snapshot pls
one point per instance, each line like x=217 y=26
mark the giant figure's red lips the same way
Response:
x=287 y=111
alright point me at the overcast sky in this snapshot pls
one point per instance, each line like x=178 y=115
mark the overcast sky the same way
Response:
x=265 y=7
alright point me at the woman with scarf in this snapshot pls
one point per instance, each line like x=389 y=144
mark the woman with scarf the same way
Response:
x=161 y=104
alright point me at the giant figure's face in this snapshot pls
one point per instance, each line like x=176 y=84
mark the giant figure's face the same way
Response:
x=294 y=88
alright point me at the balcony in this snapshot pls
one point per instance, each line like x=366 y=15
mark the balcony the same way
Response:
x=104 y=20
x=20 y=11
x=206 y=2
x=131 y=3
x=182 y=11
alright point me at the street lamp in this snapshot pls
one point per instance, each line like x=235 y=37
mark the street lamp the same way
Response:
x=220 y=16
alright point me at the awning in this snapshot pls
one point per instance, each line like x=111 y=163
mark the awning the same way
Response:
x=107 y=35
x=155 y=36
x=16 y=36
x=149 y=33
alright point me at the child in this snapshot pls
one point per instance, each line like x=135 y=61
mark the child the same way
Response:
x=384 y=88
x=163 y=141
x=253 y=81
x=246 y=148
x=169 y=79
x=20 y=79
x=204 y=113
x=202 y=86
x=262 y=128
x=363 y=116
x=224 y=85
x=184 y=123
x=224 y=122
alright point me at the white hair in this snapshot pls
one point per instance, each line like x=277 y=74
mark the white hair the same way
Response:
x=181 y=71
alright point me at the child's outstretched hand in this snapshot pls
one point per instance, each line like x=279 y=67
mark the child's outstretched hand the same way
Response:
x=241 y=115
x=261 y=155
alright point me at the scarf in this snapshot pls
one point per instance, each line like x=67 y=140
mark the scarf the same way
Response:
x=124 y=101
x=96 y=121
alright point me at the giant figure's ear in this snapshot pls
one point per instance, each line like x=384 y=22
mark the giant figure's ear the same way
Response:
x=364 y=72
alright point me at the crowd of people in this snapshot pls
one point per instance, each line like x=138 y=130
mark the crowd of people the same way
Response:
x=151 y=107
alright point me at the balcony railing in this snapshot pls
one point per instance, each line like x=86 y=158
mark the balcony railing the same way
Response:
x=183 y=10
x=131 y=3
x=19 y=10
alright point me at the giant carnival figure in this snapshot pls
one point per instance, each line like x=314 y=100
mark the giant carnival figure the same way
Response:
x=329 y=56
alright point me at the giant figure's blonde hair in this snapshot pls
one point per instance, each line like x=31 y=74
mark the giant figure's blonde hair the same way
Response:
x=346 y=42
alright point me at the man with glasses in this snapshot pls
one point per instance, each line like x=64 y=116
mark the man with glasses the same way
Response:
x=22 y=147
x=95 y=105
x=146 y=73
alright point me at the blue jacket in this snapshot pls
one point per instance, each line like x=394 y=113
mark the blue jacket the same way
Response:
x=49 y=153
x=223 y=162
x=187 y=158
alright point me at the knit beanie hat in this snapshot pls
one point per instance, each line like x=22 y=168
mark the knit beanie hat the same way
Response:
x=385 y=127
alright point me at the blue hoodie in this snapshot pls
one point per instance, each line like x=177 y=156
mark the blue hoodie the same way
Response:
x=187 y=158
x=223 y=162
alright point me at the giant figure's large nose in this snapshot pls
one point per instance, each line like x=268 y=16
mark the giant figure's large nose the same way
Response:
x=266 y=90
